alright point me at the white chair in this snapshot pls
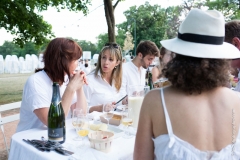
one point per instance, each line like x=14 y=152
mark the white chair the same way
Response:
x=7 y=119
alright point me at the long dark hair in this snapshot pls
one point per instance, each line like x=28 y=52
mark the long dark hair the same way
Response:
x=59 y=53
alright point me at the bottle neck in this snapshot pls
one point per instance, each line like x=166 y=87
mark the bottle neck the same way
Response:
x=56 y=98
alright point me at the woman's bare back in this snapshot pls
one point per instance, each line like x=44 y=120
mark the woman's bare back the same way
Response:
x=203 y=120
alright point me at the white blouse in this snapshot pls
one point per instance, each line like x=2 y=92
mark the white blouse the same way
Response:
x=99 y=91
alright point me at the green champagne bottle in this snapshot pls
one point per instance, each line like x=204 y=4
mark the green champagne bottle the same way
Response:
x=150 y=82
x=56 y=117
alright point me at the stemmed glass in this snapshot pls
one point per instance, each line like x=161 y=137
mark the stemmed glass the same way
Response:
x=82 y=128
x=108 y=109
x=126 y=121
x=76 y=113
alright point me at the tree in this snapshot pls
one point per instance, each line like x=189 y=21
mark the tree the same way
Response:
x=109 y=13
x=128 y=42
x=151 y=22
x=29 y=48
x=9 y=48
x=103 y=38
x=173 y=21
x=87 y=46
x=229 y=8
x=20 y=18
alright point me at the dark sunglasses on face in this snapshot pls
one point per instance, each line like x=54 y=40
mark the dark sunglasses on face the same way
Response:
x=115 y=45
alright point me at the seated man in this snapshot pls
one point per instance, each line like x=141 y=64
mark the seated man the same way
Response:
x=134 y=71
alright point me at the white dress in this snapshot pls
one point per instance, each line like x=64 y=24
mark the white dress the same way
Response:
x=170 y=147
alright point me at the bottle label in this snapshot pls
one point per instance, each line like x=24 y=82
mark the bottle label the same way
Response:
x=55 y=135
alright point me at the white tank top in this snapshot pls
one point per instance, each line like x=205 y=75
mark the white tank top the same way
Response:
x=170 y=147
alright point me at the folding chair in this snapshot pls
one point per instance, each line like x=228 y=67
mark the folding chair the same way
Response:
x=7 y=119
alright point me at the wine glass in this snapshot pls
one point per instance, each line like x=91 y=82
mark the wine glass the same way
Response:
x=76 y=113
x=82 y=128
x=108 y=109
x=126 y=121
x=82 y=131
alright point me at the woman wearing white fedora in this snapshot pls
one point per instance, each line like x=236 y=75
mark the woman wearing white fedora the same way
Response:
x=202 y=120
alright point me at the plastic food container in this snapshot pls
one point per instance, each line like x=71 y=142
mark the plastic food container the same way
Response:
x=101 y=140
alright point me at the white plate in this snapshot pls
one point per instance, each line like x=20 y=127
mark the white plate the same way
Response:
x=121 y=107
x=115 y=129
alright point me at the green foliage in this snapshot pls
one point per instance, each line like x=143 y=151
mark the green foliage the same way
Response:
x=103 y=38
x=9 y=48
x=20 y=18
x=87 y=46
x=229 y=8
x=152 y=22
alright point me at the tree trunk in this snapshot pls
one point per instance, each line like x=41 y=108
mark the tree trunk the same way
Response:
x=109 y=14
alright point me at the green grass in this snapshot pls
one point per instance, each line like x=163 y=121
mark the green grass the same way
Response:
x=11 y=87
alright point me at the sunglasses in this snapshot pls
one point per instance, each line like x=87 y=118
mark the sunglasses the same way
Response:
x=114 y=45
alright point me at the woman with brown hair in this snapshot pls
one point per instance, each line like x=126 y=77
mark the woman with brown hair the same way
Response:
x=165 y=57
x=197 y=117
x=105 y=81
x=60 y=61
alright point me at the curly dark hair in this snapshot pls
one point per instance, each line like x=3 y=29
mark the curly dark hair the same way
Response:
x=195 y=75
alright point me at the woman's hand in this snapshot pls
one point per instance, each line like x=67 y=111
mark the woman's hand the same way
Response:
x=110 y=106
x=78 y=80
x=84 y=77
x=125 y=101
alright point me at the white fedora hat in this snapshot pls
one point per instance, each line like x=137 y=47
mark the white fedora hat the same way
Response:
x=201 y=35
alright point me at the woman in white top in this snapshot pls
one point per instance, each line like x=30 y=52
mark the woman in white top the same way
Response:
x=105 y=81
x=60 y=61
x=197 y=117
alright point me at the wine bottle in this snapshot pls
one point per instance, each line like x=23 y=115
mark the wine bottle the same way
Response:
x=146 y=77
x=56 y=117
x=150 y=82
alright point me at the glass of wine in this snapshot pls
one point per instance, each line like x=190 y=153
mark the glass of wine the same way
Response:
x=126 y=122
x=108 y=109
x=82 y=128
x=76 y=113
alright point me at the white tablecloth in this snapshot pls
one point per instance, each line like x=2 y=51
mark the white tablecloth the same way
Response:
x=122 y=149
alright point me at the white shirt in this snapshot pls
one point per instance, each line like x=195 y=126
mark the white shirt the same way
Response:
x=37 y=93
x=99 y=91
x=132 y=76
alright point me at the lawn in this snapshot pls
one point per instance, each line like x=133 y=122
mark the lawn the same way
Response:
x=11 y=87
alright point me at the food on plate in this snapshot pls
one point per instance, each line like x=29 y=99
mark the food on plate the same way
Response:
x=117 y=117
x=98 y=127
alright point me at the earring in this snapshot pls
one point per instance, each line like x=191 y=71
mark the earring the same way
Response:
x=115 y=67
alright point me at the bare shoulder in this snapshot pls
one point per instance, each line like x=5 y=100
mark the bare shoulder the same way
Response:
x=152 y=101
x=155 y=70
x=152 y=95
